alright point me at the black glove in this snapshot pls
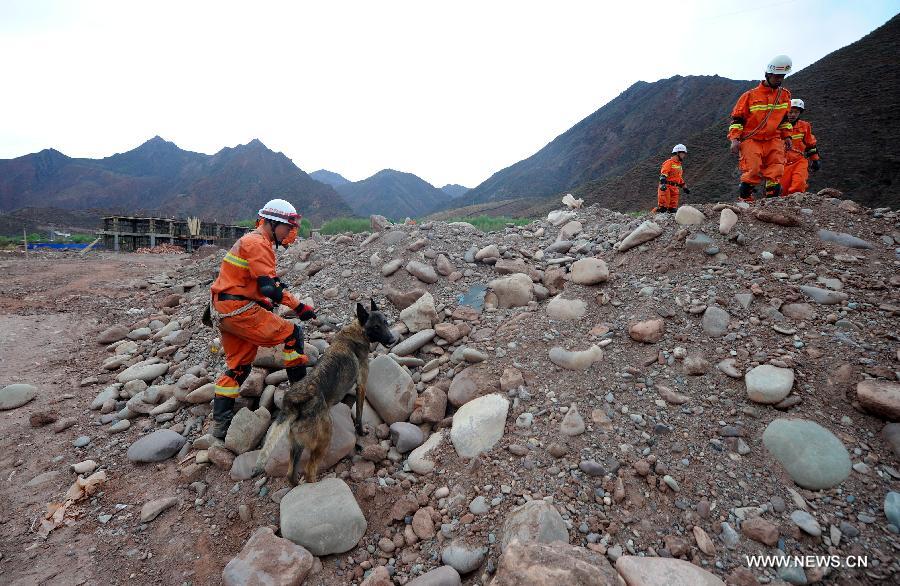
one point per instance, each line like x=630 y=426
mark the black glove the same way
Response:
x=662 y=187
x=816 y=165
x=686 y=190
x=307 y=314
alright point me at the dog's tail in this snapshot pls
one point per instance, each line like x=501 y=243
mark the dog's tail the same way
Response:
x=276 y=431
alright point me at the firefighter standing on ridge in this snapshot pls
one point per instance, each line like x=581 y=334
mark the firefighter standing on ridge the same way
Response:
x=244 y=296
x=760 y=131
x=801 y=155
x=671 y=179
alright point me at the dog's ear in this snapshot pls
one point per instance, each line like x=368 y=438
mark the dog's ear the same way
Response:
x=374 y=307
x=361 y=314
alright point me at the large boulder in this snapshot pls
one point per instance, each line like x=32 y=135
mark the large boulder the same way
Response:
x=536 y=520
x=156 y=447
x=689 y=216
x=146 y=371
x=880 y=397
x=557 y=564
x=769 y=384
x=323 y=517
x=14 y=396
x=470 y=383
x=478 y=425
x=813 y=457
x=513 y=291
x=343 y=440
x=268 y=560
x=589 y=271
x=421 y=315
x=390 y=390
x=247 y=429
x=566 y=309
x=653 y=571
x=644 y=233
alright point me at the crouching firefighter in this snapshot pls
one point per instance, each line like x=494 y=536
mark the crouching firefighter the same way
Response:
x=244 y=297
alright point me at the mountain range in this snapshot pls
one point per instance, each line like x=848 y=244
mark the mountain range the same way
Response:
x=393 y=194
x=158 y=177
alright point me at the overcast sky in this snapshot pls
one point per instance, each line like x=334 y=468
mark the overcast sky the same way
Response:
x=450 y=91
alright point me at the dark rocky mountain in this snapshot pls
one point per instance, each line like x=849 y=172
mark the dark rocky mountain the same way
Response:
x=158 y=177
x=644 y=119
x=851 y=100
x=455 y=190
x=393 y=194
x=613 y=156
x=329 y=177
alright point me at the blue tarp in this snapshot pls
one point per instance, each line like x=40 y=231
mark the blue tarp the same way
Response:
x=57 y=245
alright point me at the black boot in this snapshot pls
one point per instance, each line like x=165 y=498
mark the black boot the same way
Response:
x=745 y=191
x=222 y=413
x=296 y=373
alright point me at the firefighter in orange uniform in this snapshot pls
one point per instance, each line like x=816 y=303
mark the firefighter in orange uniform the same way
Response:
x=802 y=153
x=244 y=297
x=760 y=131
x=671 y=180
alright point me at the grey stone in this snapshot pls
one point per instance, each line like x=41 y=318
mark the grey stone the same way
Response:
x=154 y=508
x=156 y=447
x=823 y=296
x=412 y=344
x=566 y=309
x=892 y=508
x=589 y=271
x=844 y=239
x=419 y=459
x=390 y=390
x=443 y=576
x=516 y=290
x=715 y=321
x=478 y=425
x=268 y=560
x=16 y=395
x=323 y=517
x=813 y=457
x=647 y=231
x=536 y=520
x=462 y=557
x=143 y=371
x=806 y=522
x=406 y=436
x=423 y=272
x=421 y=315
x=247 y=429
x=769 y=384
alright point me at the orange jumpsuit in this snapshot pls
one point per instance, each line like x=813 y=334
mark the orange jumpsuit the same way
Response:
x=762 y=139
x=249 y=258
x=672 y=173
x=796 y=168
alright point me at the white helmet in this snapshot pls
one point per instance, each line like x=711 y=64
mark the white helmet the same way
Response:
x=279 y=210
x=797 y=103
x=779 y=65
x=679 y=148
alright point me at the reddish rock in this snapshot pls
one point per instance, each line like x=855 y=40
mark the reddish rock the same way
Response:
x=556 y=564
x=758 y=529
x=270 y=560
x=422 y=524
x=648 y=331
x=880 y=397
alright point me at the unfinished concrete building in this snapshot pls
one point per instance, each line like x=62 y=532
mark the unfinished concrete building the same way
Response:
x=128 y=233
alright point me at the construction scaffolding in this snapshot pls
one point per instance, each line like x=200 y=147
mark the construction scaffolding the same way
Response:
x=129 y=233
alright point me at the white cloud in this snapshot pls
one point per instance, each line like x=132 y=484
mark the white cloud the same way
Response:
x=450 y=91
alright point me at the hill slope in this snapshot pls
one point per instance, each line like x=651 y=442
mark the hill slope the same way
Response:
x=393 y=194
x=455 y=190
x=615 y=137
x=158 y=177
x=851 y=102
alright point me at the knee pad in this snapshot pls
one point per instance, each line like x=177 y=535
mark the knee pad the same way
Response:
x=239 y=373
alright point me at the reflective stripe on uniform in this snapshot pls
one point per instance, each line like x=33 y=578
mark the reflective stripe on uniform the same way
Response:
x=759 y=107
x=236 y=261
x=736 y=127
x=797 y=136
x=227 y=391
x=292 y=355
x=770 y=183
x=676 y=166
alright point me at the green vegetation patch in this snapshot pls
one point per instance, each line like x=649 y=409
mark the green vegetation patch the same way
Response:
x=340 y=225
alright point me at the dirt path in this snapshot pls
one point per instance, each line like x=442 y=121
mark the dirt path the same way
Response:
x=51 y=307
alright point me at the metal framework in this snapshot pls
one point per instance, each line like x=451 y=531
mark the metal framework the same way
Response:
x=128 y=233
